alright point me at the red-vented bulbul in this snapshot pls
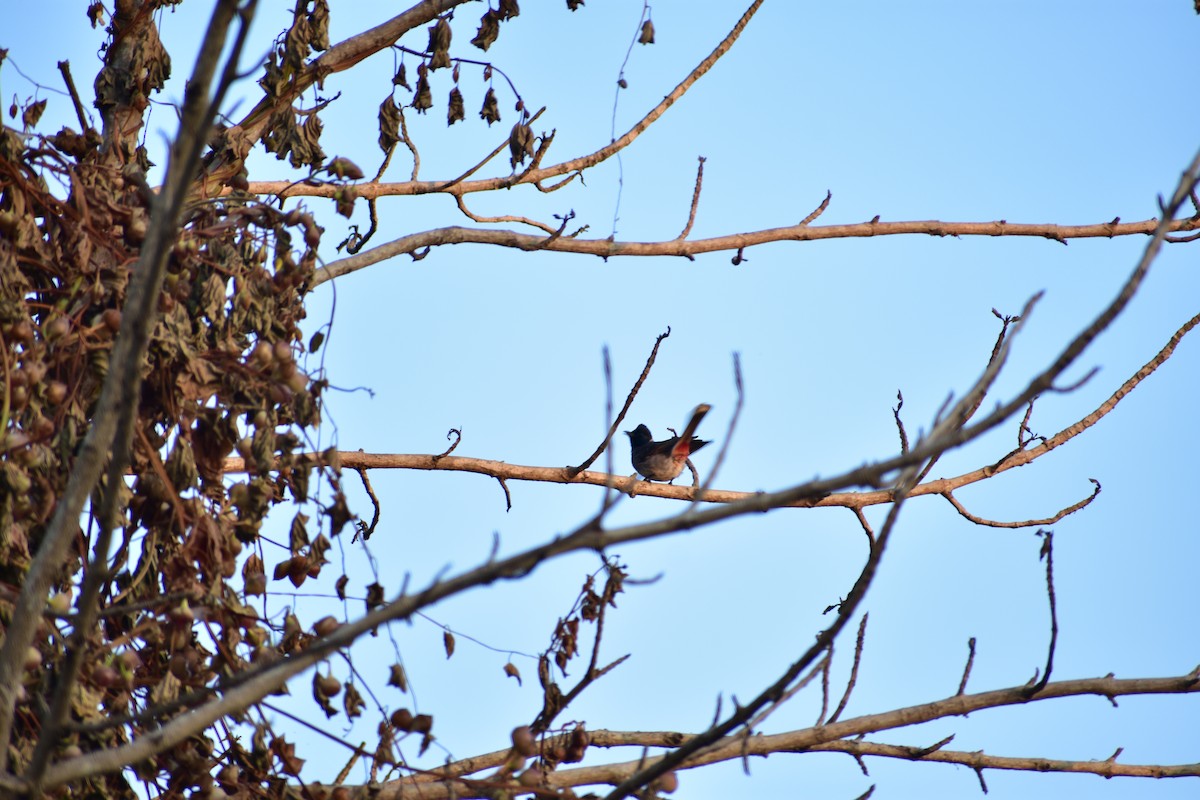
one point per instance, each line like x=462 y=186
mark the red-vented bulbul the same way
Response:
x=663 y=461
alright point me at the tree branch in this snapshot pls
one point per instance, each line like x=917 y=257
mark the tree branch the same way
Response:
x=688 y=248
x=826 y=738
x=342 y=56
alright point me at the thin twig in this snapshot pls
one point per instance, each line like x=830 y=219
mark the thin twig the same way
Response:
x=695 y=200
x=65 y=68
x=1047 y=552
x=962 y=685
x=740 y=387
x=858 y=650
x=900 y=422
x=366 y=481
x=1028 y=523
x=818 y=211
x=573 y=472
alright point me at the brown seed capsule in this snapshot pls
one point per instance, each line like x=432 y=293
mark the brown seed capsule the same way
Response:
x=112 y=319
x=531 y=777
x=667 y=783
x=56 y=392
x=329 y=686
x=283 y=352
x=262 y=355
x=105 y=676
x=58 y=328
x=524 y=741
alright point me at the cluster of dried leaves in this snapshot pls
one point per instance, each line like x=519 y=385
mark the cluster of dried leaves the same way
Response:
x=223 y=373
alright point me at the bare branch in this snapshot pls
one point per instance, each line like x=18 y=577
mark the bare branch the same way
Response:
x=1028 y=523
x=1047 y=552
x=576 y=473
x=828 y=738
x=858 y=649
x=962 y=685
x=981 y=761
x=370 y=490
x=65 y=68
x=687 y=228
x=606 y=248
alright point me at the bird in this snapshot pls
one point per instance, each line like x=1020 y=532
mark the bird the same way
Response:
x=663 y=461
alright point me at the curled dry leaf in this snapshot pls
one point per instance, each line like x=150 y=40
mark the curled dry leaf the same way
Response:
x=647 y=34
x=489 y=29
x=491 y=108
x=454 y=111
x=510 y=669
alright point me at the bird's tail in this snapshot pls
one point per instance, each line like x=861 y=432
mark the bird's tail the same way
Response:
x=685 y=438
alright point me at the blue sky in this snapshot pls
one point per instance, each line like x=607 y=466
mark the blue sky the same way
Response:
x=1071 y=113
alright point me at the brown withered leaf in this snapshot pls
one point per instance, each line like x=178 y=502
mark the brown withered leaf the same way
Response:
x=389 y=124
x=448 y=643
x=339 y=512
x=510 y=669
x=87 y=702
x=152 y=62
x=352 y=702
x=374 y=598
x=384 y=754
x=282 y=569
x=345 y=169
x=273 y=81
x=647 y=34
x=323 y=688
x=33 y=113
x=439 y=44
x=295 y=44
x=282 y=133
x=344 y=199
x=298 y=533
x=454 y=111
x=520 y=143
x=319 y=548
x=423 y=98
x=491 y=108
x=181 y=466
x=508 y=9
x=397 y=678
x=489 y=29
x=286 y=753
x=401 y=77
x=307 y=150
x=318 y=23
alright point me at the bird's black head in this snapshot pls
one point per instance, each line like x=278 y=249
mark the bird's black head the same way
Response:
x=639 y=436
